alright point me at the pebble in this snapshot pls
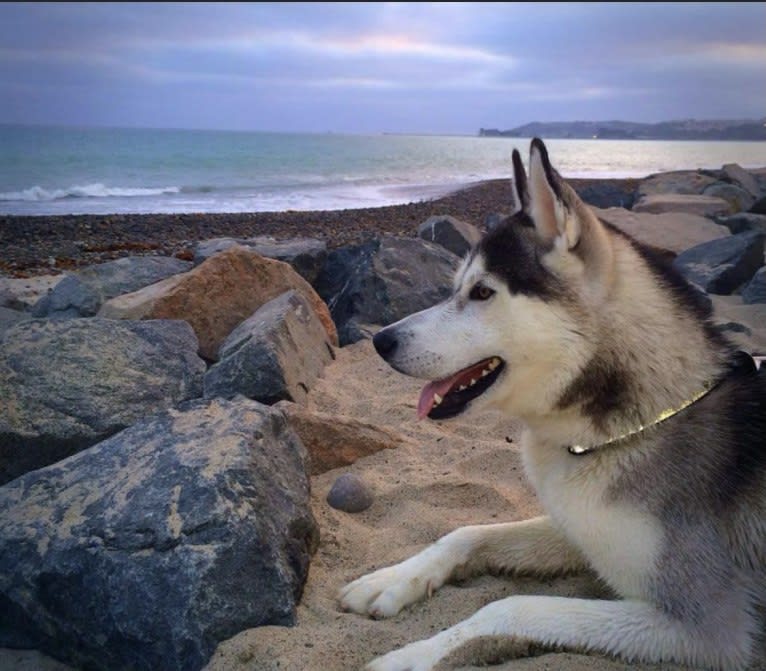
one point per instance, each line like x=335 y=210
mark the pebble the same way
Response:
x=350 y=494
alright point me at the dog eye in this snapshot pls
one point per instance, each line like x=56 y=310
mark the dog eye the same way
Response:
x=480 y=293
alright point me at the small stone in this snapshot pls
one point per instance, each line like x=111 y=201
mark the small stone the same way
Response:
x=350 y=494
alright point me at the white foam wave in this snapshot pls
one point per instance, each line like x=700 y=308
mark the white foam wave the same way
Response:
x=39 y=194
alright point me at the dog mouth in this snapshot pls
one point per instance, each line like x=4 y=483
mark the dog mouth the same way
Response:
x=449 y=397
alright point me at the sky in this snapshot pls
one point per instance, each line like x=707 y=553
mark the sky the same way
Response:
x=442 y=68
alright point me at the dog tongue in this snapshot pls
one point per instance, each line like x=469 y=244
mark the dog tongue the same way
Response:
x=440 y=387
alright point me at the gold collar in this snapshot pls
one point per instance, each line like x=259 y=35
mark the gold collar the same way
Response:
x=665 y=414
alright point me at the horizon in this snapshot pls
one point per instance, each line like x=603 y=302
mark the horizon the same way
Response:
x=77 y=126
x=372 y=68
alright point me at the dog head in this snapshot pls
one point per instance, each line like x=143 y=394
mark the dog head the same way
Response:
x=522 y=313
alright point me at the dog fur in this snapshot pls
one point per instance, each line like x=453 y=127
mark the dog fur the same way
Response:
x=597 y=339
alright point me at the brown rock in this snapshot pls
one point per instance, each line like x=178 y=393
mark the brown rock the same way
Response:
x=669 y=232
x=334 y=440
x=218 y=295
x=706 y=206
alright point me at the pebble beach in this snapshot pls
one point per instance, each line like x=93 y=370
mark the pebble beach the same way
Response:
x=37 y=245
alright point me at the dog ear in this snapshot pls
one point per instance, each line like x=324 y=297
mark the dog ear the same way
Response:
x=519 y=185
x=549 y=210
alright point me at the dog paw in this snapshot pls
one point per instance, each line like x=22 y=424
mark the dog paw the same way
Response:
x=383 y=593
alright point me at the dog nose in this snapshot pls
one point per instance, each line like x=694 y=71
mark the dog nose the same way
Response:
x=385 y=343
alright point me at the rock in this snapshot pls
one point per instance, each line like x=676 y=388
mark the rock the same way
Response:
x=276 y=354
x=81 y=294
x=751 y=317
x=669 y=232
x=148 y=549
x=218 y=295
x=744 y=221
x=739 y=199
x=69 y=384
x=453 y=234
x=350 y=494
x=333 y=440
x=721 y=266
x=755 y=291
x=23 y=293
x=690 y=182
x=759 y=206
x=605 y=195
x=706 y=206
x=9 y=317
x=737 y=175
x=384 y=281
x=305 y=255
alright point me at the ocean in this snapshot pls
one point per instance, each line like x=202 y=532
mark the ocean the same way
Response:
x=56 y=170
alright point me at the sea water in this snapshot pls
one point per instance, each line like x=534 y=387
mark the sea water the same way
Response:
x=56 y=170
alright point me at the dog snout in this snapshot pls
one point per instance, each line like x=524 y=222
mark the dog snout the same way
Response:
x=385 y=343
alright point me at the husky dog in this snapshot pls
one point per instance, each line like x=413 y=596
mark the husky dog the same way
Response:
x=645 y=440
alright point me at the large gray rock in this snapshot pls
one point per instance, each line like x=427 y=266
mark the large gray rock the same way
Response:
x=689 y=182
x=755 y=291
x=759 y=206
x=68 y=384
x=21 y=293
x=739 y=199
x=706 y=206
x=744 y=221
x=382 y=281
x=82 y=293
x=453 y=234
x=721 y=266
x=148 y=549
x=737 y=175
x=275 y=355
x=305 y=255
x=669 y=232
x=9 y=317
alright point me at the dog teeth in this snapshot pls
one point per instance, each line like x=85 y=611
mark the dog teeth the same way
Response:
x=462 y=387
x=494 y=364
x=437 y=399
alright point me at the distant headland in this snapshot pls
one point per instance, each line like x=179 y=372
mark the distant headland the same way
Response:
x=686 y=129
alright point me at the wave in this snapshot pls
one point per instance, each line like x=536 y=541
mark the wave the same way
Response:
x=39 y=194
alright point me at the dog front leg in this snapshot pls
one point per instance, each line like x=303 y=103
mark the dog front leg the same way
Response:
x=632 y=630
x=533 y=546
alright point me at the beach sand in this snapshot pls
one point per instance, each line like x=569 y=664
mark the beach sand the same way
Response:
x=446 y=474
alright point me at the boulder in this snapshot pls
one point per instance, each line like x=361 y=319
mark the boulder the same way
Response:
x=218 y=295
x=9 y=317
x=606 y=194
x=739 y=199
x=706 y=206
x=755 y=291
x=305 y=255
x=334 y=440
x=453 y=234
x=669 y=232
x=737 y=175
x=751 y=319
x=744 y=221
x=759 y=206
x=721 y=266
x=23 y=292
x=148 y=549
x=276 y=354
x=68 y=384
x=690 y=182
x=82 y=293
x=384 y=281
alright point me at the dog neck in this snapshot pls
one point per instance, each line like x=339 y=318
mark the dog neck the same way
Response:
x=743 y=363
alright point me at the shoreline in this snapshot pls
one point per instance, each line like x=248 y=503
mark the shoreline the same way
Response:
x=35 y=245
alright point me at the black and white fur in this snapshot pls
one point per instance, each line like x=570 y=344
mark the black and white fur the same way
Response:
x=596 y=338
